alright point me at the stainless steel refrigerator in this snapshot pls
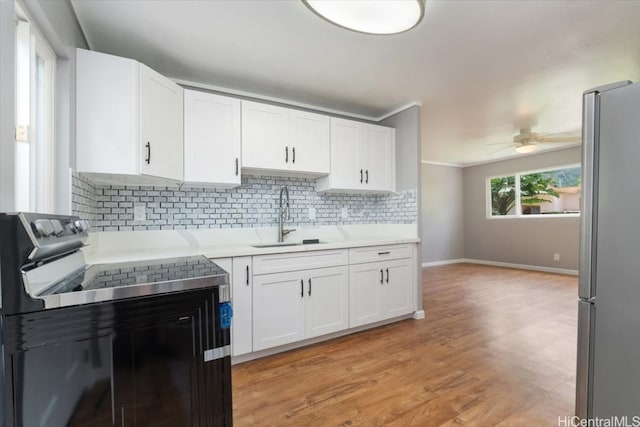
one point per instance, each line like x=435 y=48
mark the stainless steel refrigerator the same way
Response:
x=608 y=368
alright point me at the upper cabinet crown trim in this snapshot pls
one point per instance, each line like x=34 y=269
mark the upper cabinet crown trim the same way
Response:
x=257 y=96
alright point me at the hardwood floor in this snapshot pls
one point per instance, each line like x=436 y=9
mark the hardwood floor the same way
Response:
x=497 y=347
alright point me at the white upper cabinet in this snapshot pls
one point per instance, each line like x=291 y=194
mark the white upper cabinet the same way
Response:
x=161 y=125
x=284 y=141
x=309 y=142
x=362 y=158
x=211 y=139
x=129 y=121
x=379 y=158
x=265 y=136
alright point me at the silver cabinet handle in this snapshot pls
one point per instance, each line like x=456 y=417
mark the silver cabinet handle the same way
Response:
x=381 y=277
x=247 y=274
x=148 y=159
x=301 y=288
x=286 y=154
x=387 y=275
x=309 y=286
x=384 y=253
x=236 y=166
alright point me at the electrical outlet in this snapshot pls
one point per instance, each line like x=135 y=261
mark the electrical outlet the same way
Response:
x=345 y=213
x=556 y=257
x=312 y=213
x=139 y=213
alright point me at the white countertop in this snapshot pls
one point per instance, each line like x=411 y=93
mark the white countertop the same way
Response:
x=124 y=246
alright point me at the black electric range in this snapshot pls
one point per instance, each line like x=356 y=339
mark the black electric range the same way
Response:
x=136 y=343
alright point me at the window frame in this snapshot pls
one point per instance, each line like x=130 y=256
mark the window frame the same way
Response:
x=38 y=118
x=518 y=206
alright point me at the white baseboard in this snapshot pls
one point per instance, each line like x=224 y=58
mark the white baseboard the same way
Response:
x=503 y=264
x=418 y=314
x=445 y=262
x=523 y=266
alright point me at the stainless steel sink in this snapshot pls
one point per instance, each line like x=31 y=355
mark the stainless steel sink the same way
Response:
x=275 y=245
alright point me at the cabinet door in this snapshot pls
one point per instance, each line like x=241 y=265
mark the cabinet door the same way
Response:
x=346 y=143
x=155 y=374
x=310 y=142
x=397 y=291
x=67 y=383
x=107 y=129
x=365 y=283
x=161 y=131
x=242 y=295
x=265 y=136
x=211 y=139
x=380 y=158
x=327 y=300
x=278 y=309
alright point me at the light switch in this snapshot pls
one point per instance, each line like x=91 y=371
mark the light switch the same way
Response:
x=21 y=133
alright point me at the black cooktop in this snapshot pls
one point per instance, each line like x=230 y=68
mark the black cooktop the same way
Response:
x=103 y=276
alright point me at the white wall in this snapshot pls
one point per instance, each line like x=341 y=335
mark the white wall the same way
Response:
x=7 y=106
x=442 y=213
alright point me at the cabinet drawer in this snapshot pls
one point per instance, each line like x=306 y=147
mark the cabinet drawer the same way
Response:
x=379 y=253
x=265 y=264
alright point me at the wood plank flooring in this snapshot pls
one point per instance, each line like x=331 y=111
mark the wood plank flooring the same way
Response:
x=497 y=348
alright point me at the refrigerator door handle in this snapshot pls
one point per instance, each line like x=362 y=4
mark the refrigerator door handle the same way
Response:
x=583 y=365
x=588 y=214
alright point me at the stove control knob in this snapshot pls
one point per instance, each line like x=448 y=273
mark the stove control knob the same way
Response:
x=82 y=225
x=43 y=227
x=57 y=227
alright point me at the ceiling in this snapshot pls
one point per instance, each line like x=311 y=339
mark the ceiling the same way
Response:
x=481 y=69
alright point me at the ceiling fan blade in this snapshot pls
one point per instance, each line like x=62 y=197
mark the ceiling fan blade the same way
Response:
x=560 y=139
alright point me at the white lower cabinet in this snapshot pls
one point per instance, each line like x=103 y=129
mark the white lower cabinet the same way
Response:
x=242 y=298
x=240 y=279
x=296 y=305
x=380 y=290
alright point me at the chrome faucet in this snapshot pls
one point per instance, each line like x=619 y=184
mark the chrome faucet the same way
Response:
x=282 y=215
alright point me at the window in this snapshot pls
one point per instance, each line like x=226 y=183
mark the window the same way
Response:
x=35 y=67
x=540 y=193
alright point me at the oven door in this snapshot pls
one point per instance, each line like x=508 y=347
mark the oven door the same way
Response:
x=144 y=361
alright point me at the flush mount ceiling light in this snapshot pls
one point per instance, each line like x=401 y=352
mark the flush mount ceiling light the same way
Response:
x=526 y=147
x=370 y=16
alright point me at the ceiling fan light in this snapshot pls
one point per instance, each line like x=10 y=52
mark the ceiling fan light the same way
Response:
x=526 y=148
x=370 y=16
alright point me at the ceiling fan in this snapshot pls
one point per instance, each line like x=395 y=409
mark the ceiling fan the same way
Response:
x=527 y=141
